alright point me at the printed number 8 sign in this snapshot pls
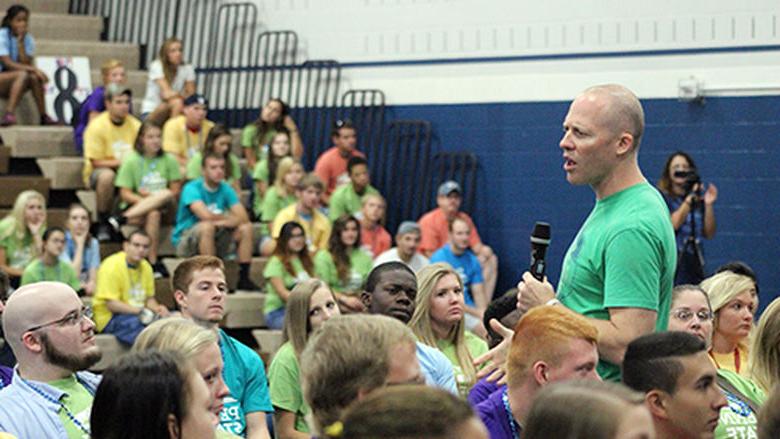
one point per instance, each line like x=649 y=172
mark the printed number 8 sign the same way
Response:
x=70 y=82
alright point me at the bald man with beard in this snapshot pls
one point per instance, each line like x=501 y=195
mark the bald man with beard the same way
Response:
x=53 y=338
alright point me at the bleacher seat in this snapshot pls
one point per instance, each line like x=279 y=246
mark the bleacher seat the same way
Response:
x=268 y=341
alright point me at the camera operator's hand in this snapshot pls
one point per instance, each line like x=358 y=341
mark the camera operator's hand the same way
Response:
x=711 y=195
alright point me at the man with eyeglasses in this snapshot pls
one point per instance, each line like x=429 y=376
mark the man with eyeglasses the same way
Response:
x=331 y=165
x=53 y=337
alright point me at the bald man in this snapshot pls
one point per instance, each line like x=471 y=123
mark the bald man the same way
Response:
x=620 y=268
x=53 y=338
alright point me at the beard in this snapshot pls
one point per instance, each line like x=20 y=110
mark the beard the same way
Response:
x=66 y=360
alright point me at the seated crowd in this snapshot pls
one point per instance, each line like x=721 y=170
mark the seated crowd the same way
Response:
x=379 y=341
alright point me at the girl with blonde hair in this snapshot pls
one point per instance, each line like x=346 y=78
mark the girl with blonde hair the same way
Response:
x=438 y=321
x=765 y=349
x=21 y=234
x=310 y=304
x=734 y=302
x=170 y=82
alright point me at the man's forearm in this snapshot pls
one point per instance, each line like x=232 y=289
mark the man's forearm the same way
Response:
x=614 y=338
x=118 y=307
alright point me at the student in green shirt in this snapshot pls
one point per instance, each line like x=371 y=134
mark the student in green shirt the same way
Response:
x=348 y=199
x=345 y=265
x=49 y=267
x=149 y=182
x=221 y=141
x=438 y=322
x=255 y=137
x=311 y=303
x=264 y=172
x=20 y=234
x=289 y=173
x=290 y=264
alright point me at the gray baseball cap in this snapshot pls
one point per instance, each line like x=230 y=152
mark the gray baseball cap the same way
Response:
x=408 y=227
x=449 y=187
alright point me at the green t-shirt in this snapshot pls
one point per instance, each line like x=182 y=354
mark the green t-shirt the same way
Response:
x=195 y=168
x=346 y=201
x=360 y=264
x=275 y=268
x=476 y=347
x=18 y=251
x=152 y=174
x=272 y=204
x=248 y=140
x=78 y=401
x=260 y=173
x=284 y=377
x=737 y=420
x=36 y=271
x=623 y=256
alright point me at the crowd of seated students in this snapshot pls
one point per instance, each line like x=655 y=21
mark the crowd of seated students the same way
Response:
x=365 y=324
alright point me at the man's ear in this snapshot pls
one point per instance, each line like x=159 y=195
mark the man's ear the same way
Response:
x=657 y=401
x=625 y=143
x=173 y=427
x=32 y=342
x=180 y=298
x=366 y=297
x=540 y=370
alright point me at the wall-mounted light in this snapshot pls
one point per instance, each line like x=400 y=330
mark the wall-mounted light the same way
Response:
x=693 y=90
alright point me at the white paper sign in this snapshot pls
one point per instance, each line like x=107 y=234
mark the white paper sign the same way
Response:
x=70 y=82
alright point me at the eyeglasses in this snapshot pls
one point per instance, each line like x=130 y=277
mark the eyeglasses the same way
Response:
x=685 y=315
x=71 y=319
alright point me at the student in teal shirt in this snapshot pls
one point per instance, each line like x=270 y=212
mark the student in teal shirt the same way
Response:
x=149 y=183
x=290 y=264
x=344 y=266
x=49 y=267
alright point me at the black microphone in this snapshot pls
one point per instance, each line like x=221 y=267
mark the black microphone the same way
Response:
x=540 y=239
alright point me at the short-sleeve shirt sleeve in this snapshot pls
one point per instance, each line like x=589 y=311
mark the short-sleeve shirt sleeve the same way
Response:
x=156 y=70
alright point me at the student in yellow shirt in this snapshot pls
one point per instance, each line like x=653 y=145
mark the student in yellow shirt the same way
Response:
x=108 y=138
x=185 y=134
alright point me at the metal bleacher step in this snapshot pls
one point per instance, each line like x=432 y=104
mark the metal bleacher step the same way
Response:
x=54 y=217
x=52 y=26
x=14 y=185
x=63 y=172
x=38 y=141
x=38 y=6
x=97 y=51
x=269 y=341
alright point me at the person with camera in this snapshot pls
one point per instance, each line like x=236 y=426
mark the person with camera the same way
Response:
x=693 y=215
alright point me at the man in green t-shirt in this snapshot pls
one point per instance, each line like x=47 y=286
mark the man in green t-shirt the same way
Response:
x=348 y=199
x=49 y=267
x=620 y=268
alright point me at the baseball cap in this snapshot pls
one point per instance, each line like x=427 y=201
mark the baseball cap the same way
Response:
x=196 y=99
x=408 y=227
x=449 y=187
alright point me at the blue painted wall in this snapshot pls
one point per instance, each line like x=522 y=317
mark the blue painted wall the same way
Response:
x=735 y=142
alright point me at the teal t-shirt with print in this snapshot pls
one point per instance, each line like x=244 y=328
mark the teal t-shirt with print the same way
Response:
x=37 y=271
x=78 y=401
x=360 y=265
x=624 y=256
x=275 y=268
x=737 y=420
x=151 y=174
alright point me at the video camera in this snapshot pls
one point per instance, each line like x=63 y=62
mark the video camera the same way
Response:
x=691 y=177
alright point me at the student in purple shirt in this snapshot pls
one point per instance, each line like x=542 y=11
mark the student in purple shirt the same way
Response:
x=551 y=343
x=113 y=72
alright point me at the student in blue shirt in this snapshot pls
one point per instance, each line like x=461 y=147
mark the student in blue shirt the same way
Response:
x=458 y=254
x=17 y=69
x=210 y=220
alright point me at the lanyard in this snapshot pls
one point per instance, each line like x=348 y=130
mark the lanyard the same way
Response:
x=737 y=362
x=512 y=422
x=68 y=413
x=198 y=148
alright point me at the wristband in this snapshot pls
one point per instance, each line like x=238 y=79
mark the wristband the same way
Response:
x=553 y=302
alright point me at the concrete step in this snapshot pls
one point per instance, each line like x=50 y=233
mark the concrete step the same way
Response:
x=97 y=51
x=14 y=185
x=269 y=341
x=231 y=270
x=136 y=80
x=87 y=198
x=54 y=217
x=64 y=172
x=48 y=26
x=244 y=310
x=38 y=141
x=5 y=159
x=36 y=6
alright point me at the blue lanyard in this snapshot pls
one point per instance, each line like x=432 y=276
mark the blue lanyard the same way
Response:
x=512 y=422
x=62 y=406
